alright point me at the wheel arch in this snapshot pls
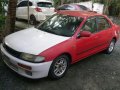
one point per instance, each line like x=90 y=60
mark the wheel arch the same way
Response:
x=31 y=15
x=69 y=56
x=114 y=39
x=51 y=74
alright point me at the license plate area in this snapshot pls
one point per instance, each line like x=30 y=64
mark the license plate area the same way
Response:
x=9 y=63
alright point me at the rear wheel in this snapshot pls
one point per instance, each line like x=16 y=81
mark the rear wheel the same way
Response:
x=59 y=67
x=111 y=47
x=32 y=20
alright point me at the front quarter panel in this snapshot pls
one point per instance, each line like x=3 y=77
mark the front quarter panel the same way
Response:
x=67 y=46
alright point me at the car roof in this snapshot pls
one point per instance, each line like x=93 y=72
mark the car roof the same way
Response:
x=82 y=14
x=71 y=4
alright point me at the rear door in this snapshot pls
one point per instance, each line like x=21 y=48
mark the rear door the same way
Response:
x=18 y=10
x=104 y=31
x=22 y=9
x=86 y=46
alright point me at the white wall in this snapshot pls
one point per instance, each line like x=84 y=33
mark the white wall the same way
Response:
x=98 y=7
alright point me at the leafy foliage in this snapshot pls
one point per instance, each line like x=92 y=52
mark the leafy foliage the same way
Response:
x=2 y=13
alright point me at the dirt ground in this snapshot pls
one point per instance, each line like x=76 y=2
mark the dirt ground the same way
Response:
x=98 y=72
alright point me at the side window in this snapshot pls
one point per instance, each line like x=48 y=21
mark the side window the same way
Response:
x=66 y=7
x=30 y=4
x=24 y=4
x=90 y=25
x=102 y=23
x=20 y=5
x=83 y=7
x=70 y=7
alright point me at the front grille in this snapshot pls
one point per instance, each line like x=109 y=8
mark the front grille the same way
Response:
x=12 y=51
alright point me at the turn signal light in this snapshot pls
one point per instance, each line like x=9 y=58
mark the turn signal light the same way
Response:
x=24 y=66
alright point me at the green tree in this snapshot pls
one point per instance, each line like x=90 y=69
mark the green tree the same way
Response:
x=2 y=14
x=117 y=6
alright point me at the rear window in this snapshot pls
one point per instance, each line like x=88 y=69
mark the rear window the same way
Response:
x=44 y=4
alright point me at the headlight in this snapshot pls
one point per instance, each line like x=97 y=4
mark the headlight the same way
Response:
x=32 y=58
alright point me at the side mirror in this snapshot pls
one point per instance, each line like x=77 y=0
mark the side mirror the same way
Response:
x=84 y=34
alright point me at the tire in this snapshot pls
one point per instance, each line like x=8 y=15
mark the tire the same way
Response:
x=32 y=20
x=16 y=19
x=59 y=67
x=111 y=46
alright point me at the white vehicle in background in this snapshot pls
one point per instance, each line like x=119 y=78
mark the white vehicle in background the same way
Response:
x=39 y=10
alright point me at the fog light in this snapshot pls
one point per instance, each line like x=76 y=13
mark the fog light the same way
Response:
x=24 y=66
x=28 y=73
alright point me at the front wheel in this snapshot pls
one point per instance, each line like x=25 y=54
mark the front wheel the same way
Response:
x=110 y=47
x=59 y=67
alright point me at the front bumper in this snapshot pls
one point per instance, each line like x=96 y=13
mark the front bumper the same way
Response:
x=38 y=70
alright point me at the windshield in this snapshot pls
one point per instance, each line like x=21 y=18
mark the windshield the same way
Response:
x=44 y=4
x=63 y=25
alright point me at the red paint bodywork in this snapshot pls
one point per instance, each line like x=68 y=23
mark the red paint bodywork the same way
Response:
x=80 y=48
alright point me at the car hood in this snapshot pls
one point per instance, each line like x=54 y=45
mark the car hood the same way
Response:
x=33 y=41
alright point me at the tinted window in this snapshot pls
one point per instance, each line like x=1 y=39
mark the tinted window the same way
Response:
x=44 y=4
x=63 y=25
x=24 y=4
x=66 y=7
x=102 y=23
x=83 y=7
x=90 y=25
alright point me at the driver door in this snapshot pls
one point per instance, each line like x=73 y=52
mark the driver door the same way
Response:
x=86 y=46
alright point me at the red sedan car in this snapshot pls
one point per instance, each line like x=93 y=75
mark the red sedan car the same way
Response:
x=65 y=38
